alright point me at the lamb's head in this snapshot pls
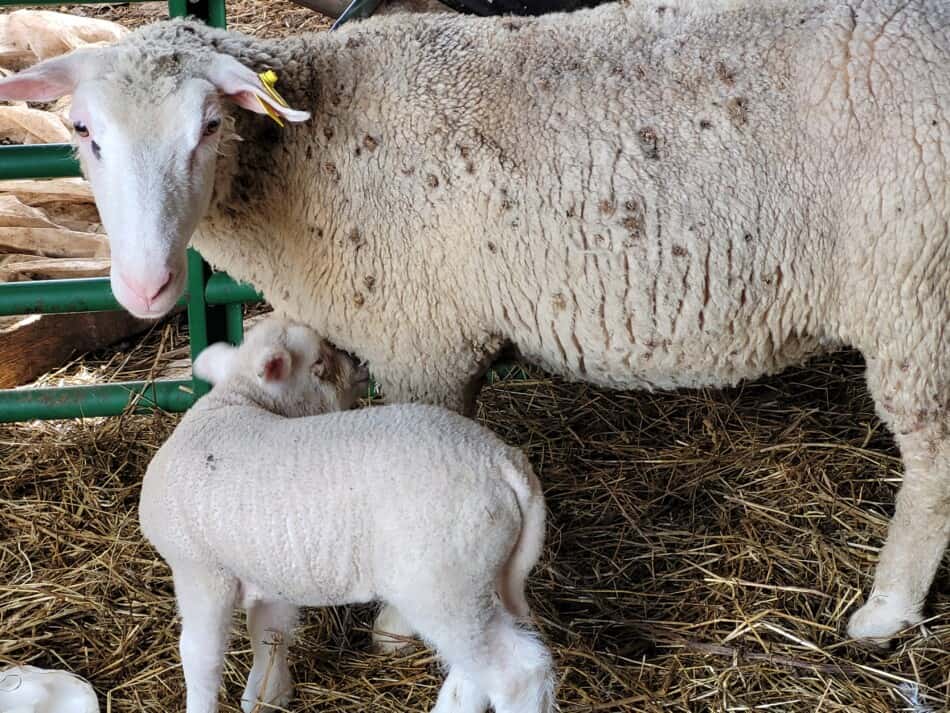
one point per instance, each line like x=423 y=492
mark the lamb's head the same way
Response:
x=148 y=120
x=286 y=368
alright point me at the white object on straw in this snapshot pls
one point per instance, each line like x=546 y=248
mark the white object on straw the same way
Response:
x=28 y=689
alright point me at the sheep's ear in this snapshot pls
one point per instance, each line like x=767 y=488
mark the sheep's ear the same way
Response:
x=215 y=363
x=53 y=78
x=273 y=366
x=248 y=90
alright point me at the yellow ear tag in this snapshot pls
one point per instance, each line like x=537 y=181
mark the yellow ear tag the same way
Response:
x=268 y=80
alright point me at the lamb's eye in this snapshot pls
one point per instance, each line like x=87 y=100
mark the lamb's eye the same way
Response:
x=212 y=127
x=319 y=368
x=81 y=129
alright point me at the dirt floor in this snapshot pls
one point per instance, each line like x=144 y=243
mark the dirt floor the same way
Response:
x=705 y=548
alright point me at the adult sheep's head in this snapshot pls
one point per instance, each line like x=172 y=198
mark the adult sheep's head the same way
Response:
x=147 y=125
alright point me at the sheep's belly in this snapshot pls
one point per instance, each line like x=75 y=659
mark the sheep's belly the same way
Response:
x=623 y=340
x=670 y=365
x=704 y=313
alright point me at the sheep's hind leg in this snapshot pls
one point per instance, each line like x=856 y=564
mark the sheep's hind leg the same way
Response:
x=911 y=388
x=491 y=660
x=512 y=667
x=206 y=602
x=270 y=626
x=460 y=695
x=917 y=538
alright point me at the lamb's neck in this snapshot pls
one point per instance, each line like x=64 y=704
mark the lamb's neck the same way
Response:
x=233 y=394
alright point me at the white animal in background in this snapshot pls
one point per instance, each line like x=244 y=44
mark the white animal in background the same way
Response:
x=409 y=504
x=28 y=689
x=649 y=194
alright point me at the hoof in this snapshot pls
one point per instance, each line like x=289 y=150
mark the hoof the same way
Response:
x=276 y=694
x=391 y=633
x=880 y=619
x=384 y=643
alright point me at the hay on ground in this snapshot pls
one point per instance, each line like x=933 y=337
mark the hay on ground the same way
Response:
x=705 y=549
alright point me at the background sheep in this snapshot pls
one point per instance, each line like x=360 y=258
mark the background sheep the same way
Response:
x=411 y=504
x=650 y=196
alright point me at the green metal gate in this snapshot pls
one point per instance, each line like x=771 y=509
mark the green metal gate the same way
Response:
x=213 y=300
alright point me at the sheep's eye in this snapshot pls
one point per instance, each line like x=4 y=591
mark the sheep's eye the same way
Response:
x=81 y=129
x=212 y=127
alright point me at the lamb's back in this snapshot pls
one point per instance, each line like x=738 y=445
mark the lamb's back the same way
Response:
x=327 y=509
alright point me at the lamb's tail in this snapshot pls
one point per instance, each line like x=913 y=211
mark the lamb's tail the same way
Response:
x=527 y=550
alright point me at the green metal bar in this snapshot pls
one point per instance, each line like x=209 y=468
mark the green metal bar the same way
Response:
x=178 y=8
x=217 y=14
x=197 y=314
x=234 y=322
x=94 y=294
x=90 y=401
x=223 y=290
x=40 y=161
x=91 y=294
x=211 y=11
x=504 y=371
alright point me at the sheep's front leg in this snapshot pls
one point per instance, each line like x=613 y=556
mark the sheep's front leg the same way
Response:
x=270 y=626
x=916 y=540
x=448 y=375
x=206 y=601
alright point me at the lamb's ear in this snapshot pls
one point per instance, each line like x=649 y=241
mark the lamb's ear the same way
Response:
x=273 y=366
x=215 y=363
x=248 y=90
x=54 y=77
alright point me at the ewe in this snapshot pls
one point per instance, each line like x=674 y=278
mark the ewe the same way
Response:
x=410 y=504
x=654 y=194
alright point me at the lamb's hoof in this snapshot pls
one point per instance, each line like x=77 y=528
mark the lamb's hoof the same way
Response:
x=391 y=633
x=384 y=643
x=276 y=694
x=880 y=619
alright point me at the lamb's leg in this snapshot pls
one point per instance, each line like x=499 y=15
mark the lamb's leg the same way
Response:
x=270 y=626
x=491 y=659
x=916 y=540
x=512 y=667
x=460 y=695
x=391 y=630
x=206 y=602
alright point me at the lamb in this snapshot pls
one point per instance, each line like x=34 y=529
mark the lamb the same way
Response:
x=655 y=194
x=411 y=504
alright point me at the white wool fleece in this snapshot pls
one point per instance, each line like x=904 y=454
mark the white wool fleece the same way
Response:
x=410 y=504
x=337 y=508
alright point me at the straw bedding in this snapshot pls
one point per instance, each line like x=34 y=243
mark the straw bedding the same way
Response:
x=705 y=548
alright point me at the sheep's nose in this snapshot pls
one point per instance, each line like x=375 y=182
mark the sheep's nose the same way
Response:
x=150 y=289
